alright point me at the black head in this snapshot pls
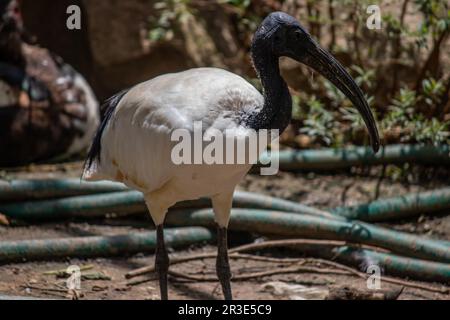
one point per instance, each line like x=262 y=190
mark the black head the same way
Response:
x=282 y=35
x=277 y=31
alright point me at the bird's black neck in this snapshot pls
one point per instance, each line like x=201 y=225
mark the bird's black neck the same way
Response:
x=277 y=109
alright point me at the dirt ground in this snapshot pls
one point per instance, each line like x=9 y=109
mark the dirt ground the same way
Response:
x=319 y=190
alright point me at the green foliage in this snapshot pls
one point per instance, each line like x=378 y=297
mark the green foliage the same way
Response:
x=432 y=131
x=415 y=126
x=410 y=116
x=336 y=97
x=320 y=123
x=364 y=78
x=353 y=117
x=436 y=15
x=402 y=109
x=297 y=113
x=241 y=4
x=161 y=28
x=432 y=90
x=388 y=64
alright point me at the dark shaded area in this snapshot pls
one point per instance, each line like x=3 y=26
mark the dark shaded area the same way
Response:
x=46 y=20
x=108 y=49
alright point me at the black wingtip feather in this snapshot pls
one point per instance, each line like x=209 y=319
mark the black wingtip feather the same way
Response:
x=108 y=106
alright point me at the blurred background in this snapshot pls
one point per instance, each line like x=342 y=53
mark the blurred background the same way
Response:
x=52 y=82
x=404 y=68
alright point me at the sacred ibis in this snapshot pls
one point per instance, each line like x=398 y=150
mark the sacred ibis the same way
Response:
x=133 y=144
x=47 y=109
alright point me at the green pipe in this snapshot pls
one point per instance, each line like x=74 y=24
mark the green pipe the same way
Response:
x=295 y=225
x=331 y=159
x=124 y=202
x=53 y=188
x=127 y=202
x=289 y=159
x=26 y=250
x=379 y=210
x=243 y=199
x=132 y=202
x=393 y=264
x=399 y=207
x=390 y=264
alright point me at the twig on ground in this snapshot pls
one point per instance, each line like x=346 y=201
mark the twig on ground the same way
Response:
x=247 y=247
x=62 y=272
x=43 y=289
x=254 y=275
x=384 y=278
x=338 y=268
x=61 y=293
x=248 y=276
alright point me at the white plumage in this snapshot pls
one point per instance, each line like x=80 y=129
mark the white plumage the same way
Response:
x=136 y=142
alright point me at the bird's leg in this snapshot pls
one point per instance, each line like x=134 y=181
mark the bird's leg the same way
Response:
x=158 y=209
x=222 y=209
x=161 y=261
x=222 y=265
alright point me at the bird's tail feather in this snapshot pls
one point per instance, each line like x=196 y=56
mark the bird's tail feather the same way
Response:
x=109 y=106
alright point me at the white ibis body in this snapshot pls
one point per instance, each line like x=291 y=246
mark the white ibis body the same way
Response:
x=134 y=145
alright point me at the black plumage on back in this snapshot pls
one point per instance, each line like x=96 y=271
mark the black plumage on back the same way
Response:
x=109 y=106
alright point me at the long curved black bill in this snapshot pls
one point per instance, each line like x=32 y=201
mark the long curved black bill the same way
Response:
x=324 y=63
